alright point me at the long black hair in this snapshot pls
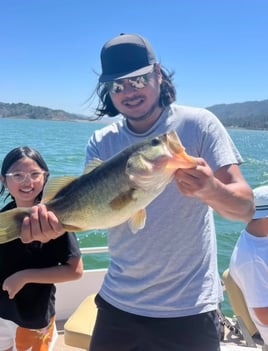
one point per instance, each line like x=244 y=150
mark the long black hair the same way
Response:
x=166 y=97
x=16 y=154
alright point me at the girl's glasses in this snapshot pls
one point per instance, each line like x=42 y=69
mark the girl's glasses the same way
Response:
x=118 y=86
x=20 y=177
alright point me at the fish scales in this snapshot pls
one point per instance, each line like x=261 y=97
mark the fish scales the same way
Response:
x=108 y=181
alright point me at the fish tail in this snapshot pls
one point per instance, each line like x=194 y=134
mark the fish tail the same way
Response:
x=10 y=224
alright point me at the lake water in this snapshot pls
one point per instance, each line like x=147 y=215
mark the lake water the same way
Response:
x=62 y=144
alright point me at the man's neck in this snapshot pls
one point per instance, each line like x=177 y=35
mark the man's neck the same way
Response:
x=142 y=125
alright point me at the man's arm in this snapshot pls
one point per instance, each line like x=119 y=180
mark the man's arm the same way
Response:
x=262 y=314
x=226 y=191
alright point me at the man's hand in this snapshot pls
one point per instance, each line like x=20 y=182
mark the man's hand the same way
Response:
x=199 y=181
x=226 y=190
x=41 y=225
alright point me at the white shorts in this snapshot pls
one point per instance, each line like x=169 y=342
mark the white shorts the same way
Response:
x=11 y=335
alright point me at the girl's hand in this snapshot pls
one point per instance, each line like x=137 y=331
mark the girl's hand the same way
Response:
x=14 y=283
x=42 y=225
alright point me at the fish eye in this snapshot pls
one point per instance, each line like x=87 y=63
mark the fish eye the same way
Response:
x=155 y=142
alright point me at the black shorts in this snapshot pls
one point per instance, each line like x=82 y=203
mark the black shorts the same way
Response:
x=116 y=330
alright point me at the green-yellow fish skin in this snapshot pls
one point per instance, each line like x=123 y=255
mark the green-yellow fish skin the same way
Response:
x=109 y=193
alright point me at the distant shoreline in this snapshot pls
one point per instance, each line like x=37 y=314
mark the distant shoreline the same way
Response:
x=99 y=121
x=248 y=115
x=77 y=120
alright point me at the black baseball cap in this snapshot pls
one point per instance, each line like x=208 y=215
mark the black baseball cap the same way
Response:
x=127 y=55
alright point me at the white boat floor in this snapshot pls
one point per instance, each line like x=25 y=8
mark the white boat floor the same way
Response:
x=233 y=342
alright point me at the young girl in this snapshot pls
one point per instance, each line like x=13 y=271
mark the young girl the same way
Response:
x=28 y=271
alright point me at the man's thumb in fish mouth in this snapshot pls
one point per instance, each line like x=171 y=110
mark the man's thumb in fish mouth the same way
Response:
x=200 y=162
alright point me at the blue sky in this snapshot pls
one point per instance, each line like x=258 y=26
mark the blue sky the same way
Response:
x=49 y=49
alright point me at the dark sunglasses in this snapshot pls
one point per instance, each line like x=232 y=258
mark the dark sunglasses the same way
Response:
x=118 y=86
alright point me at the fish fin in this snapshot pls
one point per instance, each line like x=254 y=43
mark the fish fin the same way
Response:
x=137 y=221
x=54 y=185
x=10 y=223
x=123 y=199
x=96 y=162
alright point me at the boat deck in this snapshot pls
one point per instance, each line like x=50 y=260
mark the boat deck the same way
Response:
x=60 y=345
x=231 y=341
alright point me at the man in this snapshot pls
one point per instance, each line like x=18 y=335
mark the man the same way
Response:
x=249 y=263
x=162 y=288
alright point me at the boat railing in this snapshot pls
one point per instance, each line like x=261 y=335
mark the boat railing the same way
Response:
x=93 y=250
x=70 y=294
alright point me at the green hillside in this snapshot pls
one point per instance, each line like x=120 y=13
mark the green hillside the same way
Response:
x=249 y=115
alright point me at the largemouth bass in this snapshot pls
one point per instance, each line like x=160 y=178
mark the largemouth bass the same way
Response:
x=109 y=193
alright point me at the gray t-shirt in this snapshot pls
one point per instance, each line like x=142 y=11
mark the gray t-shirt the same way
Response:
x=168 y=269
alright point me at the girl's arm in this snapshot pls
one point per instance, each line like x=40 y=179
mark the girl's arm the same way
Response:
x=72 y=270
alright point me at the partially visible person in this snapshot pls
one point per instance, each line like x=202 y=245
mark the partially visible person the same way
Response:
x=28 y=271
x=162 y=288
x=249 y=263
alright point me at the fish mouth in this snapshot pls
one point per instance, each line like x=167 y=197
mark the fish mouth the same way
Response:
x=180 y=159
x=173 y=143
